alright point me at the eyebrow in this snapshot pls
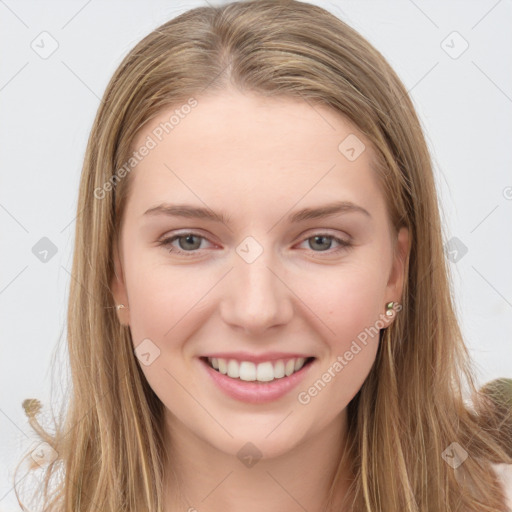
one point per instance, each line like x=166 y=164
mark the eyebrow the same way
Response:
x=194 y=212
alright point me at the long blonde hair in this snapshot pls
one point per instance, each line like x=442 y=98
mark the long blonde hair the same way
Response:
x=410 y=409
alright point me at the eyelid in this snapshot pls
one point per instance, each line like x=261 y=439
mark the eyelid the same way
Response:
x=344 y=243
x=166 y=241
x=335 y=233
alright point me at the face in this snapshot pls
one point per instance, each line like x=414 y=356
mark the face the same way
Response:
x=270 y=281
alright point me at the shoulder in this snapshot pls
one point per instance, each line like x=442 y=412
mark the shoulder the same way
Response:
x=504 y=472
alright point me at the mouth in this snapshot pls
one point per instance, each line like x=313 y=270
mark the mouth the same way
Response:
x=264 y=372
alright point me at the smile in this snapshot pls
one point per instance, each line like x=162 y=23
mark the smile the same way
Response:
x=266 y=371
x=256 y=382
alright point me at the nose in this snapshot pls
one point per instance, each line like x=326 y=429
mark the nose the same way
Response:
x=256 y=297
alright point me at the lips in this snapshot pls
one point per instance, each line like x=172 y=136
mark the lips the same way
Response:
x=256 y=391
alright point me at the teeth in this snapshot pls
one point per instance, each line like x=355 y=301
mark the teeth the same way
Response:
x=262 y=372
x=289 y=367
x=247 y=370
x=299 y=363
x=279 y=370
x=265 y=372
x=223 y=366
x=233 y=369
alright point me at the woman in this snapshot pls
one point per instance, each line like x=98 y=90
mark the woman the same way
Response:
x=303 y=353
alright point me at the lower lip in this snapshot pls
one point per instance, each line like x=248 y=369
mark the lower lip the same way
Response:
x=255 y=392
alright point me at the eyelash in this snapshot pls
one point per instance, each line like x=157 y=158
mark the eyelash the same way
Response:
x=166 y=242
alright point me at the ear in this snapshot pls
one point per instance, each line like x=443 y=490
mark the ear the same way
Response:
x=118 y=286
x=397 y=276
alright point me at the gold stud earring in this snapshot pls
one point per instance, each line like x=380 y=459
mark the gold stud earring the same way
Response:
x=120 y=306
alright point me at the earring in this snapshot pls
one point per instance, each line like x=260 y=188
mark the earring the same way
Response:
x=389 y=308
x=120 y=306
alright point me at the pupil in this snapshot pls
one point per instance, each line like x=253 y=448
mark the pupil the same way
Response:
x=321 y=238
x=188 y=240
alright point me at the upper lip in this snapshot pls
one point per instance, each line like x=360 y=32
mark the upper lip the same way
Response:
x=256 y=358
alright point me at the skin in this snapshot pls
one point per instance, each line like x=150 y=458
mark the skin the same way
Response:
x=258 y=160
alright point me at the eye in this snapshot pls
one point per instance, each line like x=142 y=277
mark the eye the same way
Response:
x=323 y=242
x=189 y=243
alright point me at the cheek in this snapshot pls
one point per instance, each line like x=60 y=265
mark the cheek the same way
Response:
x=161 y=321
x=349 y=305
x=346 y=374
x=160 y=298
x=347 y=300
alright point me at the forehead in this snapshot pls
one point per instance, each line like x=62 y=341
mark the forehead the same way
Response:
x=252 y=122
x=253 y=147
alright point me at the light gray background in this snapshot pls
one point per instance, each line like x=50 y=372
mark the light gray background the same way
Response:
x=47 y=107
